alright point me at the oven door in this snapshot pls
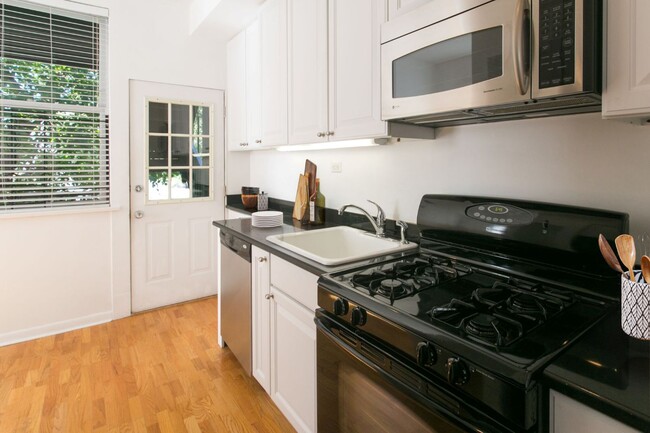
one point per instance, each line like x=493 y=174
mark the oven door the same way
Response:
x=474 y=59
x=361 y=388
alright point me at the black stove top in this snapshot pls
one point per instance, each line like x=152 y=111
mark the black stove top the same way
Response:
x=512 y=318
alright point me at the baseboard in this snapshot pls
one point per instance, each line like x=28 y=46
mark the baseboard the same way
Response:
x=54 y=328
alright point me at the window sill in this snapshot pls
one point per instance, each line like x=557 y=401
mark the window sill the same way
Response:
x=57 y=212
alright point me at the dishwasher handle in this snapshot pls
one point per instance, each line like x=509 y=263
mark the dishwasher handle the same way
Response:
x=236 y=245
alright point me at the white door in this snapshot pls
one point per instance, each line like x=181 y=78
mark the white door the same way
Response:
x=177 y=154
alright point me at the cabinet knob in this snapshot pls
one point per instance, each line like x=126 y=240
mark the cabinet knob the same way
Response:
x=261 y=259
x=268 y=296
x=320 y=134
x=330 y=133
x=258 y=141
x=243 y=144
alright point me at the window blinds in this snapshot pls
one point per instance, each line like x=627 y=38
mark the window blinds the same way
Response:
x=53 y=118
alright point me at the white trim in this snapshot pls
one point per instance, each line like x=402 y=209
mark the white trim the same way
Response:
x=45 y=212
x=73 y=6
x=54 y=328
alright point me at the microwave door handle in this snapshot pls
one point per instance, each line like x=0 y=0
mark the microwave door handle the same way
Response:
x=521 y=45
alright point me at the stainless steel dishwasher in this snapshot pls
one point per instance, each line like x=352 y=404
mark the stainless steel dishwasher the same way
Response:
x=236 y=297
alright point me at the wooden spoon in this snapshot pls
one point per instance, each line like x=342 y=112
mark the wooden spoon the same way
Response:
x=627 y=252
x=645 y=268
x=608 y=254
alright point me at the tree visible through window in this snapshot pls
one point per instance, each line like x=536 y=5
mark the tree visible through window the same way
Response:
x=53 y=124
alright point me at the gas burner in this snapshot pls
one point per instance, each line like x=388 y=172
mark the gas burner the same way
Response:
x=391 y=288
x=490 y=297
x=492 y=329
x=526 y=304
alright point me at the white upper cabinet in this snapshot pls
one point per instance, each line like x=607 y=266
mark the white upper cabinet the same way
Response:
x=400 y=7
x=273 y=30
x=244 y=81
x=307 y=52
x=236 y=98
x=253 y=85
x=334 y=84
x=627 y=90
x=354 y=80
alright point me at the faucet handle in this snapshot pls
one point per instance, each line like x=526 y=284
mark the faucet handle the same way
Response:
x=381 y=217
x=403 y=227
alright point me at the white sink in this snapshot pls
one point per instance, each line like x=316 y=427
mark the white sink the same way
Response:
x=338 y=245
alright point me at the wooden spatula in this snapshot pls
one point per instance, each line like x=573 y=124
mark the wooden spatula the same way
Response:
x=627 y=252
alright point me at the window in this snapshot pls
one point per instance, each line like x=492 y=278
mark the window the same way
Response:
x=53 y=117
x=179 y=152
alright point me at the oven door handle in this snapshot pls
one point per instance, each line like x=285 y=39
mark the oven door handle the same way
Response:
x=443 y=405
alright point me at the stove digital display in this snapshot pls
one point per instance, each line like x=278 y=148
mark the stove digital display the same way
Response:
x=497 y=213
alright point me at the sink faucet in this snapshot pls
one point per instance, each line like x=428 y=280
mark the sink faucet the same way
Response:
x=378 y=223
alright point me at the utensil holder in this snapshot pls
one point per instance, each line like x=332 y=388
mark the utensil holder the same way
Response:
x=635 y=307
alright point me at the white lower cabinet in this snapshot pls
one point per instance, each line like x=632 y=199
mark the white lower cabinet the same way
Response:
x=284 y=336
x=293 y=361
x=261 y=286
x=569 y=416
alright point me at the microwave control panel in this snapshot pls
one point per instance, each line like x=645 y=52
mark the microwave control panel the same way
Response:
x=556 y=43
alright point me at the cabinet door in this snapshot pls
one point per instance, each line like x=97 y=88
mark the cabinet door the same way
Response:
x=261 y=317
x=293 y=351
x=400 y=7
x=273 y=27
x=307 y=53
x=253 y=85
x=354 y=81
x=236 y=94
x=570 y=416
x=627 y=91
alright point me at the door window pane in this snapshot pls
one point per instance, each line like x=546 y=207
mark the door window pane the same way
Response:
x=200 y=145
x=201 y=183
x=157 y=117
x=201 y=161
x=200 y=120
x=180 y=151
x=158 y=151
x=450 y=64
x=180 y=119
x=158 y=185
x=180 y=184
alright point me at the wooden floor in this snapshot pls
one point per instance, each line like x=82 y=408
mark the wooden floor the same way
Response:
x=157 y=372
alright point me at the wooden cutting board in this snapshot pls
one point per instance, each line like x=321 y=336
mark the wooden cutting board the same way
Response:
x=302 y=198
x=310 y=172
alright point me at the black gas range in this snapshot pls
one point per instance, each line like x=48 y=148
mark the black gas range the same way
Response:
x=462 y=329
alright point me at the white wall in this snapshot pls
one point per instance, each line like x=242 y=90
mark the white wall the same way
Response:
x=65 y=271
x=578 y=160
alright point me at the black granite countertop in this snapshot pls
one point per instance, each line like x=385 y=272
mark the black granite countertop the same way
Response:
x=608 y=371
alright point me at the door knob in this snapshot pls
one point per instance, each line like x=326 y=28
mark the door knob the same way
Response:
x=138 y=188
x=138 y=214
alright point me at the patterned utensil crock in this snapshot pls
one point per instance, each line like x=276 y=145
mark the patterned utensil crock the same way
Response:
x=635 y=307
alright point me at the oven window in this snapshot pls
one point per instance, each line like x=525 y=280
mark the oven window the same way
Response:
x=451 y=64
x=354 y=398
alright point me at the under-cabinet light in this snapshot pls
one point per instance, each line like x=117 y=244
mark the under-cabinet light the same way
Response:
x=333 y=145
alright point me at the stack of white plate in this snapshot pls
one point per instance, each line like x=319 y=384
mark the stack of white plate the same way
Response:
x=267 y=218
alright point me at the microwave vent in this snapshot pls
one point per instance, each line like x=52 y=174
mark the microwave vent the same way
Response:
x=549 y=104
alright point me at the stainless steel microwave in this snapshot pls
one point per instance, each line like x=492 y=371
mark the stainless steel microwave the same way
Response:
x=470 y=61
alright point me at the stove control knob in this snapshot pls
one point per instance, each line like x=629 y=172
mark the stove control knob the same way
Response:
x=457 y=371
x=426 y=354
x=340 y=307
x=358 y=316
